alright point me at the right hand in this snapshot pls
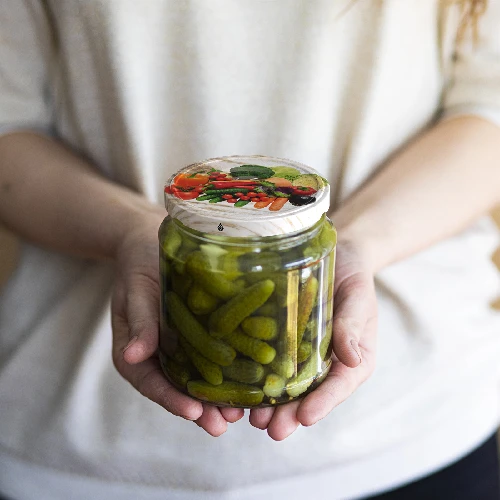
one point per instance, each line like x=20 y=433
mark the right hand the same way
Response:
x=354 y=348
x=135 y=321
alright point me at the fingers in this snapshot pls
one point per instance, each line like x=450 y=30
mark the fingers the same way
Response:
x=353 y=309
x=261 y=417
x=338 y=386
x=340 y=382
x=284 y=421
x=212 y=421
x=142 y=315
x=148 y=378
x=232 y=414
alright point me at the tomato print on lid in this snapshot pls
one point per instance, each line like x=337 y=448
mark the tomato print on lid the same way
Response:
x=247 y=196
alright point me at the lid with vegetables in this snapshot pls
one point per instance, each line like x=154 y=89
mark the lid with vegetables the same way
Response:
x=247 y=196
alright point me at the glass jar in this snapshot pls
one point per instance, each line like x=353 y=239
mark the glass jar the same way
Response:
x=246 y=293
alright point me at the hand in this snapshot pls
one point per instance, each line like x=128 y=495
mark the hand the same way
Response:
x=354 y=343
x=135 y=322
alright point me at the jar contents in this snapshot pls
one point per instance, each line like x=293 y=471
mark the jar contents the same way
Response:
x=246 y=321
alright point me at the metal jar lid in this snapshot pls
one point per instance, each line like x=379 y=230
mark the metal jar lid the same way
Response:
x=285 y=196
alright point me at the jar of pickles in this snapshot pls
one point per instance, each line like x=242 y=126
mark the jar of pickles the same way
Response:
x=247 y=257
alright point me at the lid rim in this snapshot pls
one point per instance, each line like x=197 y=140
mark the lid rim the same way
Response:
x=237 y=240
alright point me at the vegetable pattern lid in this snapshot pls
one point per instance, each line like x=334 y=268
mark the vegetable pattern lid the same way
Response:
x=247 y=196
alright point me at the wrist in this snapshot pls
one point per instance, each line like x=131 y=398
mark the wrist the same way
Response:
x=139 y=228
x=365 y=238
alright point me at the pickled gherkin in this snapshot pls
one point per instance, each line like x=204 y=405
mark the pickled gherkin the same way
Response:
x=292 y=311
x=274 y=385
x=304 y=351
x=230 y=393
x=214 y=350
x=311 y=330
x=286 y=289
x=299 y=384
x=229 y=265
x=178 y=373
x=310 y=370
x=269 y=309
x=198 y=266
x=244 y=370
x=256 y=349
x=226 y=319
x=260 y=327
x=201 y=302
x=170 y=242
x=325 y=342
x=213 y=252
x=181 y=284
x=307 y=297
x=328 y=237
x=179 y=262
x=314 y=251
x=283 y=365
x=210 y=371
x=180 y=356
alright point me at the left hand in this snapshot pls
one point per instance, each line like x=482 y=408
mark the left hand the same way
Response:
x=135 y=317
x=354 y=344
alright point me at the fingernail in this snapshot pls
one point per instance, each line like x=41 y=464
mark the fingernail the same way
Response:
x=355 y=348
x=130 y=342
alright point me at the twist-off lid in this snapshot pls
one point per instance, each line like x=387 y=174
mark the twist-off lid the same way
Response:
x=247 y=196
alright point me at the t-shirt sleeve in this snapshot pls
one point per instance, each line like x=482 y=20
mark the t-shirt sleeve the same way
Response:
x=474 y=85
x=26 y=55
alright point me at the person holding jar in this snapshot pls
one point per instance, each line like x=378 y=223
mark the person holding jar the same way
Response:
x=397 y=104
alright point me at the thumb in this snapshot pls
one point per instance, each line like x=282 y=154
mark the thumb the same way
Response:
x=354 y=302
x=142 y=312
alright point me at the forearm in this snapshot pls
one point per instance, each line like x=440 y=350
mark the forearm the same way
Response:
x=431 y=190
x=52 y=197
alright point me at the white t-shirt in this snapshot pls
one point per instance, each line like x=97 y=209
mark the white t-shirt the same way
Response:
x=144 y=88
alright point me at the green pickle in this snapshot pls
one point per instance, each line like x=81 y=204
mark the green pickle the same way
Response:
x=311 y=330
x=199 y=268
x=249 y=321
x=258 y=350
x=230 y=266
x=229 y=393
x=274 y=385
x=227 y=318
x=180 y=356
x=307 y=297
x=291 y=316
x=170 y=242
x=260 y=327
x=210 y=371
x=304 y=351
x=201 y=302
x=268 y=309
x=178 y=373
x=283 y=365
x=305 y=377
x=213 y=349
x=245 y=371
